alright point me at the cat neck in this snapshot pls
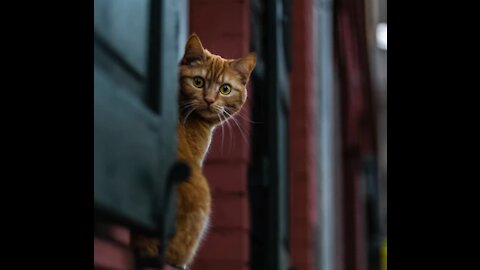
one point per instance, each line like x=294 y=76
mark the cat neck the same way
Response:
x=195 y=135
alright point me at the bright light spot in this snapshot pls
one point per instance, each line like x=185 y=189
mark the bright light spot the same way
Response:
x=382 y=36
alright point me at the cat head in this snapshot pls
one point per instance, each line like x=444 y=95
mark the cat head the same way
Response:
x=212 y=87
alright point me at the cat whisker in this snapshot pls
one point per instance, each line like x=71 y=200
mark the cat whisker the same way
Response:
x=188 y=114
x=236 y=123
x=231 y=133
x=247 y=119
x=226 y=120
x=220 y=118
x=189 y=102
x=230 y=128
x=244 y=117
x=186 y=106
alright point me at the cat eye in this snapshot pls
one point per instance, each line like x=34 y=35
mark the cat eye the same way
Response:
x=198 y=82
x=225 y=89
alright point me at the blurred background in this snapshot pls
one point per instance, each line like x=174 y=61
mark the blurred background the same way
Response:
x=301 y=181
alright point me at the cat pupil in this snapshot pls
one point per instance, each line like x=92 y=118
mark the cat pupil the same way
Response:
x=198 y=82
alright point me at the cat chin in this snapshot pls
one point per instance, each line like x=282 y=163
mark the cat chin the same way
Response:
x=208 y=116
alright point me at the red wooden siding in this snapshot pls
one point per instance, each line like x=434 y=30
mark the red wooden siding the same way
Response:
x=358 y=123
x=108 y=256
x=302 y=135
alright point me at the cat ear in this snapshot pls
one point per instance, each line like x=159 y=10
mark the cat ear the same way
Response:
x=245 y=65
x=193 y=50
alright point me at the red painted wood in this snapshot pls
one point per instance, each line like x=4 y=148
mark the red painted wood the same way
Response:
x=357 y=123
x=227 y=176
x=302 y=137
x=230 y=212
x=226 y=245
x=109 y=256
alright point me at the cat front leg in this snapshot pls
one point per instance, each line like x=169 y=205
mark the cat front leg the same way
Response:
x=184 y=245
x=193 y=212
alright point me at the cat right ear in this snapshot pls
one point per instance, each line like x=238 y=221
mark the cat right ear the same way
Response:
x=193 y=50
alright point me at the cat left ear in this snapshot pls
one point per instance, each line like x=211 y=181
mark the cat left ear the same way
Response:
x=245 y=65
x=193 y=50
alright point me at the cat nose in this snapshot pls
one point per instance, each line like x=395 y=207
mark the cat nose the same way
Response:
x=209 y=99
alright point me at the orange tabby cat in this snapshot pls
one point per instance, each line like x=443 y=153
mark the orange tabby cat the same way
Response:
x=212 y=89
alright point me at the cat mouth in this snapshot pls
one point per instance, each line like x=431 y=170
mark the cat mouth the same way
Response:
x=208 y=113
x=212 y=110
